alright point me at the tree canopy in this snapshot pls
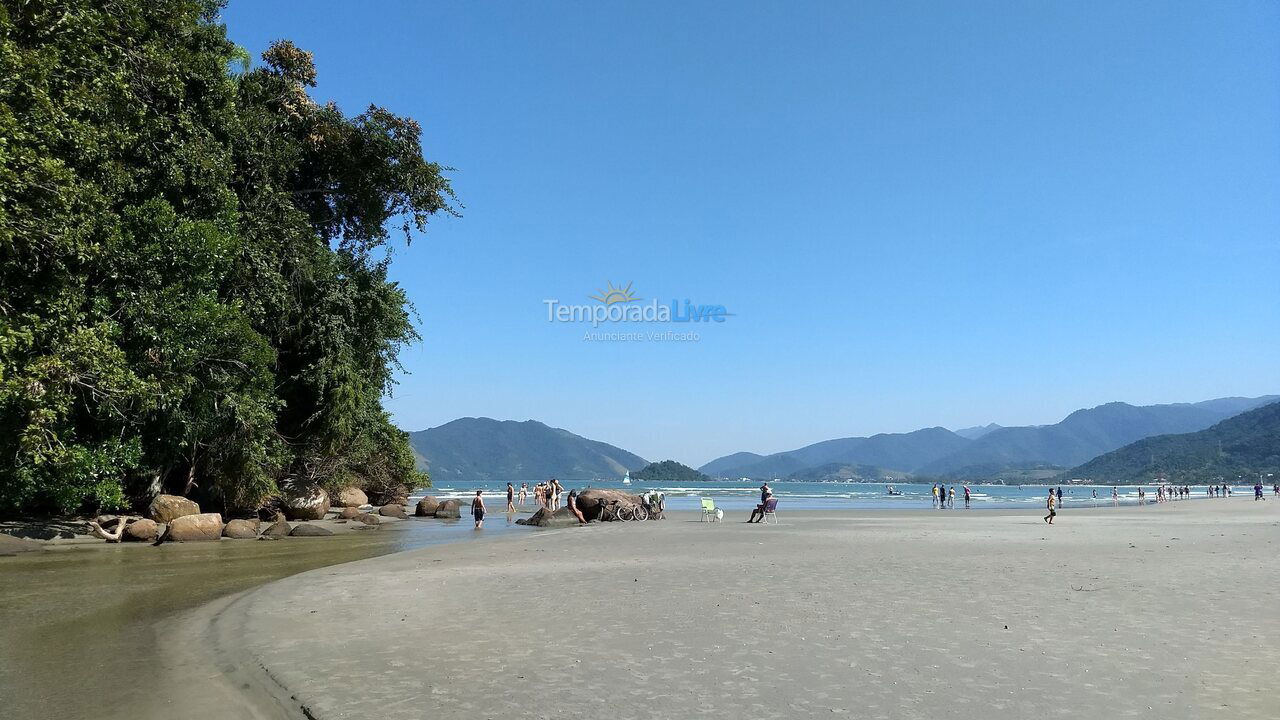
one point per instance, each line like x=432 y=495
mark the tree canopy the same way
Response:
x=193 y=263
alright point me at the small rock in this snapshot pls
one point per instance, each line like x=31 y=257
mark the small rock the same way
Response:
x=278 y=529
x=395 y=511
x=349 y=513
x=369 y=519
x=167 y=508
x=305 y=530
x=191 y=528
x=448 y=509
x=427 y=507
x=142 y=530
x=241 y=529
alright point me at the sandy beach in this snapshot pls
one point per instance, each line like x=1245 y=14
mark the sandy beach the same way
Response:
x=1161 y=612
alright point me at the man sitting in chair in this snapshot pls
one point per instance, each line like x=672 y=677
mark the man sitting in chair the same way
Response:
x=765 y=494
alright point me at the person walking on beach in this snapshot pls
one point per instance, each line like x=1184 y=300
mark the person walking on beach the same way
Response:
x=1115 y=496
x=1142 y=496
x=1257 y=492
x=524 y=493
x=511 y=498
x=966 y=497
x=477 y=509
x=935 y=494
x=951 y=496
x=1052 y=512
x=1059 y=496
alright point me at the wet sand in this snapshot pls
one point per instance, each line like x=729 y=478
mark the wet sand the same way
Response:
x=88 y=629
x=1155 y=612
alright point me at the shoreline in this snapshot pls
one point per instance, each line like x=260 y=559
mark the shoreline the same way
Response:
x=644 y=606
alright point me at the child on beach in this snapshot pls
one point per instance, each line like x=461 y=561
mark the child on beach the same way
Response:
x=477 y=509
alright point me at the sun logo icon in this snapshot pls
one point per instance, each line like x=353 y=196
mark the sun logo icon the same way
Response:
x=611 y=295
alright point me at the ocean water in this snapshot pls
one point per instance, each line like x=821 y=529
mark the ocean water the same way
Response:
x=832 y=495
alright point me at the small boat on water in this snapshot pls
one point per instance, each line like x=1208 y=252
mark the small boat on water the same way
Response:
x=626 y=479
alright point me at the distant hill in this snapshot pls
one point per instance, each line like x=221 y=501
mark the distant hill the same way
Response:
x=669 y=472
x=1014 y=454
x=1246 y=444
x=892 y=450
x=719 y=466
x=1085 y=434
x=486 y=450
x=977 y=431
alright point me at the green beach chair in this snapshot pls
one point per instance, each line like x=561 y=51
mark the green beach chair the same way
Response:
x=708 y=510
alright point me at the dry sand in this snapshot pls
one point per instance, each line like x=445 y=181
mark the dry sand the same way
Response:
x=1157 y=612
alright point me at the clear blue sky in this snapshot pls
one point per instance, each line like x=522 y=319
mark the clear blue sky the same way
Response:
x=919 y=213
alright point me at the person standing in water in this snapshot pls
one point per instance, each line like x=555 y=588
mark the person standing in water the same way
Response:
x=524 y=492
x=1115 y=496
x=935 y=494
x=477 y=509
x=951 y=496
x=1052 y=513
x=966 y=497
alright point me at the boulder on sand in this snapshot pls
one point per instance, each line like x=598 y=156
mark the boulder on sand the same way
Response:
x=351 y=498
x=167 y=508
x=305 y=530
x=427 y=507
x=241 y=529
x=304 y=502
x=395 y=511
x=448 y=509
x=142 y=530
x=563 y=517
x=592 y=500
x=191 y=528
x=349 y=513
x=278 y=529
x=369 y=519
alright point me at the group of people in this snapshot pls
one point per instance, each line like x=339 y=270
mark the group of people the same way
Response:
x=944 y=497
x=546 y=494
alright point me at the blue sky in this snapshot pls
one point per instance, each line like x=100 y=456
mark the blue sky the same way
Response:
x=918 y=213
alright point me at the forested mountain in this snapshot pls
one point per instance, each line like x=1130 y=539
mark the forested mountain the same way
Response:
x=1244 y=445
x=193 y=264
x=669 y=472
x=487 y=450
x=902 y=451
x=1084 y=434
x=991 y=451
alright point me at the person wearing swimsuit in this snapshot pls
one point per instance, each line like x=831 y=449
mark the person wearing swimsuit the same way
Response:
x=511 y=498
x=477 y=509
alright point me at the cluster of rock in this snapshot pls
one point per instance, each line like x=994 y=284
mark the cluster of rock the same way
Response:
x=174 y=518
x=444 y=509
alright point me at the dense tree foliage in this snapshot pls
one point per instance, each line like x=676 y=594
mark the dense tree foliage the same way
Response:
x=669 y=472
x=193 y=263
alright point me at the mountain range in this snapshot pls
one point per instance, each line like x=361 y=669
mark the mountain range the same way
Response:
x=486 y=450
x=990 y=451
x=1242 y=446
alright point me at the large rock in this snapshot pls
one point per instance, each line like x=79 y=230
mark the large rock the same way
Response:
x=395 y=511
x=278 y=529
x=448 y=509
x=167 y=508
x=190 y=528
x=349 y=513
x=241 y=529
x=351 y=498
x=305 y=530
x=592 y=500
x=546 y=518
x=427 y=507
x=304 y=502
x=142 y=530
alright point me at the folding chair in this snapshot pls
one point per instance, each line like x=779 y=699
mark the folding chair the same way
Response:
x=770 y=511
x=708 y=510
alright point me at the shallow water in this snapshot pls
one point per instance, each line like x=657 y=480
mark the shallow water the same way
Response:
x=78 y=624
